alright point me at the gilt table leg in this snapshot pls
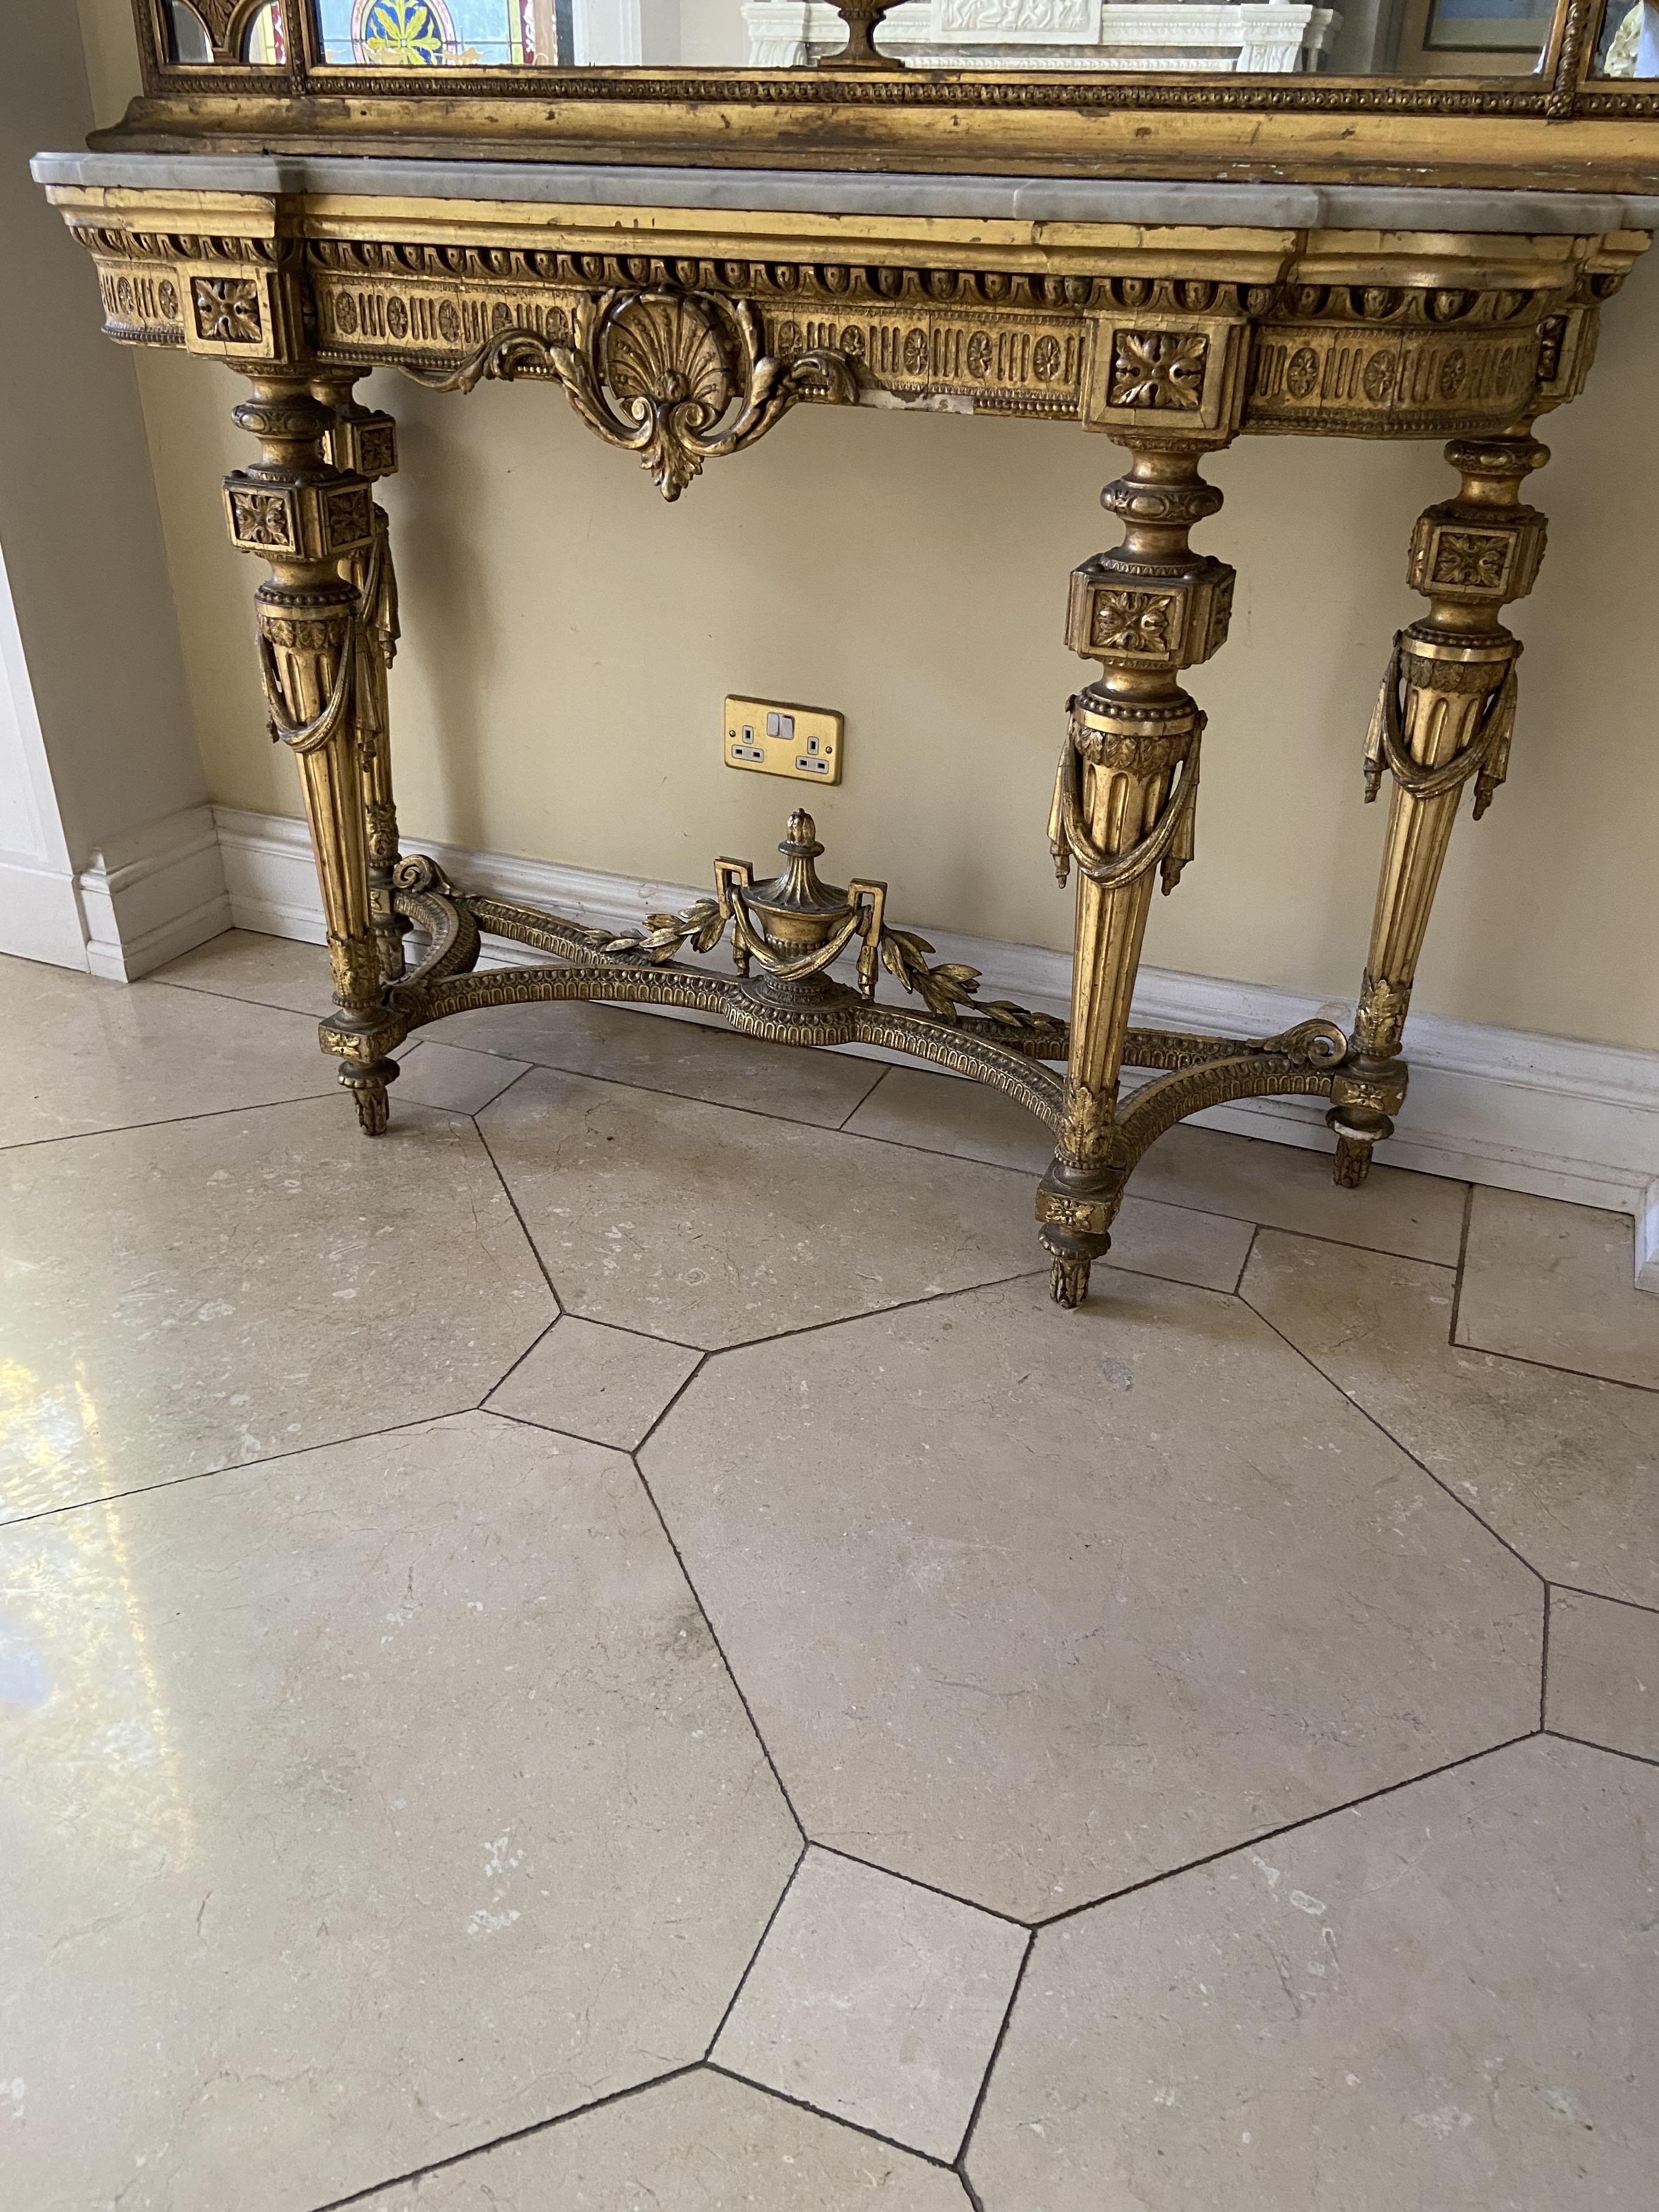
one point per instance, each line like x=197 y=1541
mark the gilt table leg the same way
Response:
x=1444 y=715
x=308 y=519
x=364 y=442
x=1124 y=809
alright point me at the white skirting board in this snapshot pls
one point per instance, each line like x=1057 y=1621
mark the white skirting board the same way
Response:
x=1548 y=1115
x=156 y=892
x=159 y=892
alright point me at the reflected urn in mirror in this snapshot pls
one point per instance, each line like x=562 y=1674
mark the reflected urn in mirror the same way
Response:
x=861 y=52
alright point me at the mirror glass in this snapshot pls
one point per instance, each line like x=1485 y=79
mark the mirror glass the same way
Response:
x=1628 y=42
x=1203 y=38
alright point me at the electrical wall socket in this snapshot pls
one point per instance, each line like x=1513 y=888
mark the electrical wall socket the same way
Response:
x=777 y=737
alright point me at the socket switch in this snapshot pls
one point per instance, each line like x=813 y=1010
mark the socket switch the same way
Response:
x=775 y=738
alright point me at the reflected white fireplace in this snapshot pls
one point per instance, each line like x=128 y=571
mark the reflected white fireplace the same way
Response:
x=1272 y=37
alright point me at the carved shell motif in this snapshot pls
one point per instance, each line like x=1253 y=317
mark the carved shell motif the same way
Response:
x=664 y=351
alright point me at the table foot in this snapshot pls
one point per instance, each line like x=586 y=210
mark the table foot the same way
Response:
x=368 y=1086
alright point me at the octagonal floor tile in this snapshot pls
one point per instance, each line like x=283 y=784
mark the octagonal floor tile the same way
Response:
x=1445 y=1999
x=1562 y=1466
x=699 y=2143
x=1031 y=1606
x=358 y=1810
x=188 y=1296
x=713 y=1226
x=82 y=1055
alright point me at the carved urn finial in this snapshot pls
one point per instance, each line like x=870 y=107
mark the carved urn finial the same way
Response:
x=794 y=910
x=860 y=17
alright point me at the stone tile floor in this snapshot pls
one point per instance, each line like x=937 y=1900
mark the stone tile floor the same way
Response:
x=612 y=1650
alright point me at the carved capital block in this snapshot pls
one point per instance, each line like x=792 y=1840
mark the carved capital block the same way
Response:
x=299 y=521
x=1160 y=374
x=1463 y=553
x=1084 y=1217
x=346 y=517
x=361 y=1043
x=236 y=313
x=264 y=517
x=364 y=445
x=1375 y=1088
x=1132 y=616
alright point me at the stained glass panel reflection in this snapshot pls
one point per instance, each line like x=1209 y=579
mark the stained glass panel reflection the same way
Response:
x=438 y=33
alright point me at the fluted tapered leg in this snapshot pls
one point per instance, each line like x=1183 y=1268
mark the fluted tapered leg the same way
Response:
x=310 y=520
x=1444 y=716
x=364 y=441
x=1123 y=813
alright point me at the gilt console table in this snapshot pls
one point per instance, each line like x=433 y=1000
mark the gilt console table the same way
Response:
x=684 y=312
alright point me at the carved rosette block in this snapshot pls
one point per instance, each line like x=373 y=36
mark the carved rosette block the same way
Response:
x=1123 y=811
x=1175 y=368
x=1444 y=717
x=309 y=521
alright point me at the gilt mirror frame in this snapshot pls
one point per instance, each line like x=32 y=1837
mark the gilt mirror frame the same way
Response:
x=1557 y=126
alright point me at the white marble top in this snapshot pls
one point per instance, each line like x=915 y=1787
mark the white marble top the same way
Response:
x=825 y=191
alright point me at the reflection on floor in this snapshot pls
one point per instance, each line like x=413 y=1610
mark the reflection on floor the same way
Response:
x=612 y=1649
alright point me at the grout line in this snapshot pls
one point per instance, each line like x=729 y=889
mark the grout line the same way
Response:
x=496 y=1096
x=1290 y=1827
x=760 y=1945
x=1382 y=1429
x=1463 y=1258
x=703 y=1358
x=800 y=2104
x=859 y=1105
x=535 y=1248
x=714 y=1638
x=513 y=2136
x=951 y=1896
x=898 y=1306
x=1633 y=1604
x=172 y=1120
x=1245 y=1264
x=501 y=1380
x=236 y=1466
x=241 y=998
x=966 y=2144
x=1613 y=1750
x=547 y=1429
x=1313 y=1236
x=1550 y=1367
x=1544 y=1671
x=645 y=1335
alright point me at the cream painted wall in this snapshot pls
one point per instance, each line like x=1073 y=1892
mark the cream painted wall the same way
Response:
x=569 y=640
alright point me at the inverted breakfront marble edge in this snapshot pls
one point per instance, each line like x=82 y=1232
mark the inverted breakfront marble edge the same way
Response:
x=814 y=192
